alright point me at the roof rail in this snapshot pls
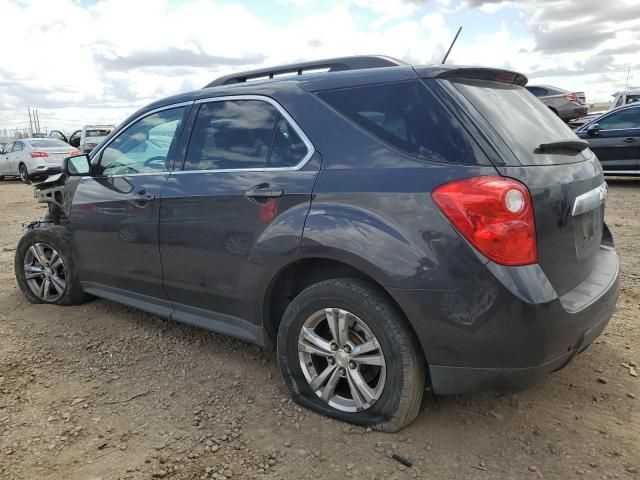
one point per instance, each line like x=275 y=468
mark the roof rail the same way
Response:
x=330 y=64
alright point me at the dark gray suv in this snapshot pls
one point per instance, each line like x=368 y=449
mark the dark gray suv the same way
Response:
x=387 y=227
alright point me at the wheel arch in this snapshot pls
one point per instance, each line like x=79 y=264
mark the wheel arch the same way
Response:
x=296 y=276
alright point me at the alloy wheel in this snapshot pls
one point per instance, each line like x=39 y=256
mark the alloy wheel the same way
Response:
x=342 y=360
x=24 y=174
x=44 y=272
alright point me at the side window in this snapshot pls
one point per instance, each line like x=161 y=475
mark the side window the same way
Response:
x=144 y=146
x=288 y=149
x=18 y=146
x=619 y=102
x=7 y=148
x=537 y=91
x=407 y=116
x=621 y=120
x=231 y=134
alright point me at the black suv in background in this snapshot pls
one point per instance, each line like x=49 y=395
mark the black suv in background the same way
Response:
x=386 y=226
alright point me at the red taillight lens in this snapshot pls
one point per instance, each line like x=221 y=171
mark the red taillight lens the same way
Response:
x=494 y=214
x=39 y=154
x=572 y=97
x=73 y=153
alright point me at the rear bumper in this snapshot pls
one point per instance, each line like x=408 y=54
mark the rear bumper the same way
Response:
x=504 y=331
x=573 y=111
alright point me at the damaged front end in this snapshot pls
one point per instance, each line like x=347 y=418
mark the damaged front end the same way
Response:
x=54 y=192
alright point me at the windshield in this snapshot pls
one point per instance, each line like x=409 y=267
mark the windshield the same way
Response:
x=523 y=121
x=48 y=143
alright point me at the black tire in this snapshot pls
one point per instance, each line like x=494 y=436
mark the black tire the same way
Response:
x=57 y=237
x=400 y=400
x=24 y=173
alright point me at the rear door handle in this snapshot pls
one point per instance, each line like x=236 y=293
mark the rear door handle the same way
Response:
x=629 y=140
x=264 y=193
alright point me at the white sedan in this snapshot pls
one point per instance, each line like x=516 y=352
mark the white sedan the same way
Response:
x=33 y=157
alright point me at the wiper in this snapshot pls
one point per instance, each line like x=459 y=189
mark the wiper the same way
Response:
x=575 y=145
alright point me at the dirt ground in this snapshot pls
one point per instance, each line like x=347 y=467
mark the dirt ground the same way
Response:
x=102 y=391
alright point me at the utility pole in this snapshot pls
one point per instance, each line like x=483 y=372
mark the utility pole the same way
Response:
x=30 y=124
x=626 y=87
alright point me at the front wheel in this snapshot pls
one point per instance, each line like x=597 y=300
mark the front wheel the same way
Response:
x=346 y=352
x=44 y=267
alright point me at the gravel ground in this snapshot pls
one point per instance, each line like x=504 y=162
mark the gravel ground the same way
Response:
x=105 y=391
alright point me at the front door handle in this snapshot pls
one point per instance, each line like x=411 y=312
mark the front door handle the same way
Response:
x=629 y=140
x=142 y=199
x=264 y=193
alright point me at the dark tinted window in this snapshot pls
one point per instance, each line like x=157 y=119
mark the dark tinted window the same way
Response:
x=231 y=134
x=407 y=116
x=521 y=120
x=629 y=118
x=288 y=148
x=538 y=91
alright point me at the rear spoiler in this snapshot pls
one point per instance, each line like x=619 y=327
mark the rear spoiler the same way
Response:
x=472 y=73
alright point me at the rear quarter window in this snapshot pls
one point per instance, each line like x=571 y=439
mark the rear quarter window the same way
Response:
x=408 y=117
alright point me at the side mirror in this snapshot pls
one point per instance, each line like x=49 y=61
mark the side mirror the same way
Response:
x=76 y=166
x=593 y=129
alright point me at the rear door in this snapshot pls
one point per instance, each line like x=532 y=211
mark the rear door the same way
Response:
x=114 y=215
x=16 y=157
x=236 y=207
x=616 y=141
x=568 y=240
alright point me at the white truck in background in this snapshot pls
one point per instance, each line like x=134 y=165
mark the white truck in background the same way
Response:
x=85 y=139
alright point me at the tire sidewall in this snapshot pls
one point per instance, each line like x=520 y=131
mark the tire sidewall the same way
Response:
x=24 y=168
x=56 y=237
x=288 y=359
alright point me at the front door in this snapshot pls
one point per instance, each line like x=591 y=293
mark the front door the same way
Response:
x=5 y=168
x=239 y=203
x=617 y=142
x=114 y=215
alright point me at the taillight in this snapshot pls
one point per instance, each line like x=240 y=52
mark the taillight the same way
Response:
x=494 y=214
x=572 y=97
x=38 y=154
x=73 y=153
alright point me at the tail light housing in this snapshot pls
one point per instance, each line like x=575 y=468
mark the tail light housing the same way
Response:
x=572 y=97
x=73 y=153
x=494 y=214
x=38 y=154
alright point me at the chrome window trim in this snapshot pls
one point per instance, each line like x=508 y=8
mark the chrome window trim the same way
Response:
x=310 y=148
x=94 y=160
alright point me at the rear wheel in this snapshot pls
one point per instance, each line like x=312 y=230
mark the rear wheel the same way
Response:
x=45 y=270
x=346 y=352
x=24 y=173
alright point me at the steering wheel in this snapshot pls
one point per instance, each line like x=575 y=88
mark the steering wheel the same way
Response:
x=156 y=162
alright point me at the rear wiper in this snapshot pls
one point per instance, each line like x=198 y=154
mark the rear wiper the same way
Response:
x=575 y=145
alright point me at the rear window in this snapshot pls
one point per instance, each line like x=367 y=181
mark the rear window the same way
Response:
x=48 y=143
x=103 y=132
x=523 y=121
x=407 y=116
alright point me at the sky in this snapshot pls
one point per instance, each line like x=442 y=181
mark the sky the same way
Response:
x=97 y=61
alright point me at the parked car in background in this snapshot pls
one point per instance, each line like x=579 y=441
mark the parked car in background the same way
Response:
x=615 y=138
x=31 y=158
x=580 y=121
x=359 y=221
x=85 y=139
x=567 y=105
x=625 y=97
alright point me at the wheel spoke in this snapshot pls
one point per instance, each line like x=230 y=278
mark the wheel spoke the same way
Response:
x=38 y=253
x=44 y=289
x=366 y=347
x=31 y=272
x=370 y=360
x=316 y=341
x=332 y=320
x=361 y=386
x=339 y=325
x=322 y=378
x=357 y=397
x=58 y=284
x=327 y=393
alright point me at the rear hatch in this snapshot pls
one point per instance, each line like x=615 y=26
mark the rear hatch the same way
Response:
x=562 y=175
